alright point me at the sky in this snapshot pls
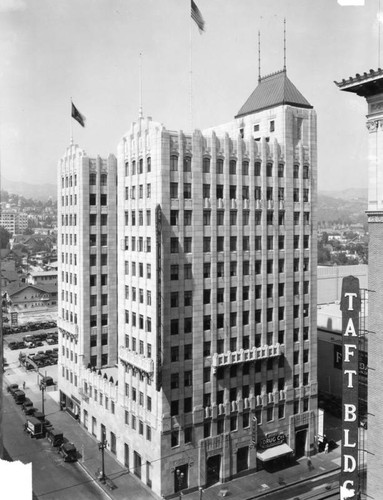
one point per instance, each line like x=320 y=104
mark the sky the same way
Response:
x=89 y=50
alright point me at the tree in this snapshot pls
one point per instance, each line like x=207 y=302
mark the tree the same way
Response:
x=28 y=231
x=5 y=236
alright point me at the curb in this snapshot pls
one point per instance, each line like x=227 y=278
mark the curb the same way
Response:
x=294 y=483
x=94 y=480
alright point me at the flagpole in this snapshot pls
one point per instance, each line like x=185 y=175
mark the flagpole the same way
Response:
x=70 y=123
x=191 y=75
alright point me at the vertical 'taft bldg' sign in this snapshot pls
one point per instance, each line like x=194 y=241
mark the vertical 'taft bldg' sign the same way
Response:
x=350 y=307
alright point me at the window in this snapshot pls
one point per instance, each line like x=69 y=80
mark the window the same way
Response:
x=174 y=272
x=233 y=268
x=296 y=195
x=305 y=195
x=233 y=192
x=220 y=269
x=103 y=199
x=174 y=299
x=232 y=167
x=219 y=166
x=206 y=348
x=206 y=217
x=188 y=405
x=219 y=191
x=269 y=170
x=187 y=164
x=206 y=166
x=174 y=354
x=305 y=172
x=175 y=436
x=188 y=298
x=188 y=218
x=233 y=243
x=188 y=275
x=187 y=190
x=188 y=379
x=173 y=163
x=296 y=218
x=174 y=245
x=296 y=172
x=206 y=322
x=233 y=423
x=173 y=190
x=174 y=217
x=206 y=296
x=296 y=241
x=220 y=217
x=174 y=381
x=270 y=217
x=188 y=434
x=92 y=179
x=280 y=170
x=174 y=327
x=245 y=168
x=206 y=244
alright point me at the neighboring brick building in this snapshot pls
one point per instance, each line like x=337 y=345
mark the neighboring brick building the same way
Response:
x=370 y=86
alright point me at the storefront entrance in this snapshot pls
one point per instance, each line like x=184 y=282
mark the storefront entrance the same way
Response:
x=300 y=443
x=213 y=467
x=242 y=459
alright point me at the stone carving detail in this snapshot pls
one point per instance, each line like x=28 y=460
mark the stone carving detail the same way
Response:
x=377 y=106
x=375 y=218
x=372 y=125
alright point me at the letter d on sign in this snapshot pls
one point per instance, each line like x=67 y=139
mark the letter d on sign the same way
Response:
x=349 y=463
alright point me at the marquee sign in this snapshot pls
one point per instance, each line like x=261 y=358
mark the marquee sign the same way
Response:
x=350 y=307
x=272 y=439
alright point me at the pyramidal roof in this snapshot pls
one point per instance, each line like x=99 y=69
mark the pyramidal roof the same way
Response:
x=273 y=90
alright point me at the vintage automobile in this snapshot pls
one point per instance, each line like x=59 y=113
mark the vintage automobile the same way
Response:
x=69 y=452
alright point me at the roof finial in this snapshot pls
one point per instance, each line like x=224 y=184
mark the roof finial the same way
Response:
x=259 y=55
x=284 y=44
x=140 y=114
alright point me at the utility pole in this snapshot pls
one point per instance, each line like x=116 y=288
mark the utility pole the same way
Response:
x=101 y=447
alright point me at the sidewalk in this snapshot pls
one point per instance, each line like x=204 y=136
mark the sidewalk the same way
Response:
x=130 y=487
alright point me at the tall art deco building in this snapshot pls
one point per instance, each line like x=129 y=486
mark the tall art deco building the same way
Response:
x=216 y=299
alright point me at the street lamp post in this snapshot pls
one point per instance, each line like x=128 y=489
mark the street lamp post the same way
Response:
x=180 y=478
x=42 y=388
x=101 y=447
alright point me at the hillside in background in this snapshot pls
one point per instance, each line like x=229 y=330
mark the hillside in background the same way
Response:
x=35 y=191
x=342 y=207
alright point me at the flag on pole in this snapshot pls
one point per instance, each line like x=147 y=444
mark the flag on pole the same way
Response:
x=197 y=16
x=78 y=116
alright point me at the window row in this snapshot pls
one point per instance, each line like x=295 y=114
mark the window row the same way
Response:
x=69 y=316
x=69 y=220
x=103 y=240
x=69 y=181
x=93 y=279
x=234 y=168
x=138 y=347
x=143 y=245
x=69 y=354
x=270 y=266
x=103 y=259
x=95 y=320
x=69 y=375
x=93 y=179
x=69 y=297
x=69 y=239
x=99 y=397
x=137 y=218
x=131 y=192
x=103 y=199
x=138 y=295
x=68 y=200
x=93 y=219
x=94 y=358
x=138 y=167
x=68 y=258
x=137 y=269
x=235 y=193
x=93 y=340
x=138 y=320
x=138 y=397
x=69 y=278
x=138 y=425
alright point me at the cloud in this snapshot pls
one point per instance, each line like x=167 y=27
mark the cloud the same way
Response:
x=12 y=5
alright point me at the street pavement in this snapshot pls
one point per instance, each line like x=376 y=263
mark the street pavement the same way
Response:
x=55 y=479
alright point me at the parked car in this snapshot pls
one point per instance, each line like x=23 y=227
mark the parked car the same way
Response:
x=47 y=381
x=34 y=427
x=55 y=437
x=30 y=410
x=19 y=397
x=68 y=451
x=39 y=343
x=13 y=346
x=12 y=388
x=27 y=404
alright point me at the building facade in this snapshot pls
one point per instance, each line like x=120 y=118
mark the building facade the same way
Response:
x=14 y=221
x=370 y=86
x=216 y=299
x=87 y=257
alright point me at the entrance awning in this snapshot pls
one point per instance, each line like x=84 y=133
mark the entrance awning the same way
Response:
x=274 y=452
